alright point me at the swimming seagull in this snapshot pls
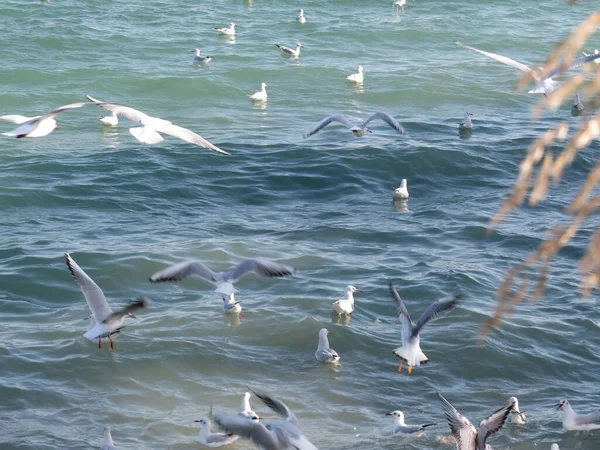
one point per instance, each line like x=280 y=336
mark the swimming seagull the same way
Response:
x=223 y=280
x=400 y=428
x=38 y=126
x=346 y=305
x=359 y=129
x=554 y=447
x=229 y=31
x=245 y=409
x=401 y=192
x=467 y=437
x=544 y=85
x=213 y=440
x=577 y=105
x=357 y=77
x=260 y=96
x=200 y=59
x=466 y=124
x=410 y=351
x=104 y=322
x=573 y=421
x=301 y=17
x=275 y=435
x=291 y=51
x=324 y=353
x=517 y=416
x=230 y=305
x=108 y=443
x=149 y=133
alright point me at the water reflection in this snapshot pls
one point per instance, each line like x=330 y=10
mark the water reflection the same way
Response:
x=401 y=205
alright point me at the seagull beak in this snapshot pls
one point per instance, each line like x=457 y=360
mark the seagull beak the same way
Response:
x=131 y=315
x=359 y=290
x=369 y=131
x=196 y=421
x=388 y=414
x=559 y=405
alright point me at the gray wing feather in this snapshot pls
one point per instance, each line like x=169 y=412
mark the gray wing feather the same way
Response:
x=278 y=406
x=189 y=136
x=491 y=425
x=182 y=271
x=92 y=293
x=434 y=310
x=387 y=119
x=462 y=429
x=575 y=63
x=323 y=123
x=585 y=419
x=260 y=266
x=134 y=306
x=403 y=315
x=248 y=429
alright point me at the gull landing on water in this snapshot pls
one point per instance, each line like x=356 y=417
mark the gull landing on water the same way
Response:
x=290 y=51
x=301 y=17
x=260 y=96
x=410 y=351
x=213 y=440
x=517 y=416
x=466 y=124
x=346 y=305
x=357 y=77
x=580 y=422
x=229 y=31
x=108 y=443
x=359 y=129
x=401 y=429
x=401 y=193
x=324 y=353
x=200 y=59
x=104 y=322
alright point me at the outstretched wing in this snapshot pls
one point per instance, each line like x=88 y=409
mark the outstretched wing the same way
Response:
x=323 y=123
x=125 y=111
x=248 y=429
x=584 y=419
x=181 y=271
x=64 y=108
x=260 y=266
x=134 y=306
x=492 y=424
x=403 y=315
x=387 y=119
x=500 y=58
x=279 y=407
x=18 y=119
x=462 y=429
x=92 y=293
x=189 y=136
x=434 y=310
x=575 y=63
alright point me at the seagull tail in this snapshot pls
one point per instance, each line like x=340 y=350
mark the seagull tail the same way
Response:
x=146 y=134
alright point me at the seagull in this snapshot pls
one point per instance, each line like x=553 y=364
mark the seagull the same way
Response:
x=246 y=410
x=399 y=4
x=213 y=440
x=466 y=124
x=554 y=447
x=517 y=416
x=596 y=52
x=290 y=51
x=410 y=351
x=577 y=105
x=108 y=443
x=200 y=59
x=357 y=77
x=301 y=17
x=260 y=96
x=38 y=126
x=230 y=305
x=544 y=85
x=229 y=31
x=104 y=322
x=153 y=126
x=273 y=436
x=358 y=129
x=573 y=421
x=110 y=121
x=324 y=353
x=400 y=428
x=467 y=437
x=401 y=192
x=223 y=280
x=346 y=305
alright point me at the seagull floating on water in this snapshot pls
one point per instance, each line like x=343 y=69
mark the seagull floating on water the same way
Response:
x=410 y=352
x=245 y=409
x=108 y=443
x=466 y=124
x=357 y=77
x=346 y=305
x=554 y=447
x=467 y=437
x=104 y=322
x=38 y=126
x=401 y=192
x=223 y=280
x=200 y=59
x=290 y=51
x=401 y=429
x=359 y=129
x=577 y=105
x=213 y=440
x=301 y=17
x=229 y=31
x=580 y=422
x=153 y=126
x=230 y=305
x=517 y=416
x=273 y=436
x=260 y=96
x=324 y=353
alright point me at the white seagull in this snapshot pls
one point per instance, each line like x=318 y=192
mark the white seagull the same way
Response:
x=410 y=352
x=399 y=4
x=554 y=447
x=401 y=192
x=467 y=437
x=401 y=429
x=358 y=129
x=230 y=305
x=104 y=322
x=149 y=133
x=213 y=440
x=544 y=85
x=245 y=409
x=260 y=96
x=301 y=17
x=466 y=124
x=229 y=31
x=200 y=59
x=324 y=353
x=290 y=51
x=581 y=422
x=357 y=77
x=346 y=305
x=38 y=126
x=517 y=416
x=108 y=443
x=223 y=280
x=275 y=435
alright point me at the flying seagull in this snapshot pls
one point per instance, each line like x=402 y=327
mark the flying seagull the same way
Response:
x=358 y=129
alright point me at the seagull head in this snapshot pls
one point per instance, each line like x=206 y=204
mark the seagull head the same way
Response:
x=299 y=45
x=352 y=289
x=301 y=12
x=203 y=422
x=196 y=51
x=263 y=85
x=562 y=404
x=323 y=332
x=232 y=25
x=361 y=69
x=398 y=415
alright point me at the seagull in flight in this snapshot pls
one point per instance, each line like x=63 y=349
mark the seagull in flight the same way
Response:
x=149 y=133
x=290 y=51
x=104 y=322
x=358 y=129
x=465 y=434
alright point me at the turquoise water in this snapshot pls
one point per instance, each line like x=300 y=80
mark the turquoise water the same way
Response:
x=323 y=205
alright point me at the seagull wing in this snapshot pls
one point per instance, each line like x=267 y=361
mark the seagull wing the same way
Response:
x=279 y=407
x=575 y=63
x=386 y=118
x=260 y=266
x=434 y=310
x=181 y=271
x=403 y=315
x=502 y=59
x=64 y=108
x=18 y=119
x=136 y=305
x=322 y=124
x=462 y=429
x=585 y=419
x=248 y=429
x=492 y=424
x=92 y=293
x=132 y=114
x=189 y=136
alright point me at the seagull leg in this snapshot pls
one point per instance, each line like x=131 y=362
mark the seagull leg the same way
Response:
x=112 y=347
x=402 y=9
x=409 y=370
x=99 y=342
x=400 y=367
